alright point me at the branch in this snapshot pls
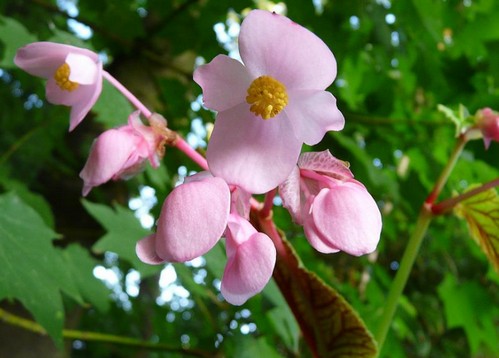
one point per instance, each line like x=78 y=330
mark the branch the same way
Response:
x=101 y=337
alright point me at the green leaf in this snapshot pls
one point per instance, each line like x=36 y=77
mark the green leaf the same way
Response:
x=13 y=35
x=32 y=270
x=469 y=306
x=460 y=117
x=123 y=232
x=80 y=265
x=330 y=325
x=481 y=213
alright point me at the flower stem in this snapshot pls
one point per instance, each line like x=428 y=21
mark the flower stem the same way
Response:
x=461 y=142
x=447 y=205
x=412 y=249
x=266 y=211
x=99 y=337
x=402 y=275
x=129 y=95
x=180 y=143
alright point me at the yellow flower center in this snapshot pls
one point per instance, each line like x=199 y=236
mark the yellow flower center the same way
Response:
x=61 y=77
x=267 y=97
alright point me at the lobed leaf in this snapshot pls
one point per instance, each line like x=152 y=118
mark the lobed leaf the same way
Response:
x=32 y=270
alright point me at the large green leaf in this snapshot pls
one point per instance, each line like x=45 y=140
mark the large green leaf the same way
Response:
x=32 y=270
x=123 y=232
x=481 y=212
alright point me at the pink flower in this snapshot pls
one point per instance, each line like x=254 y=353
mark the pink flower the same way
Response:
x=192 y=220
x=251 y=259
x=194 y=217
x=336 y=211
x=271 y=105
x=488 y=122
x=74 y=75
x=121 y=152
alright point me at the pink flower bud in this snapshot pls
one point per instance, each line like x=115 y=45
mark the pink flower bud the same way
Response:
x=251 y=259
x=336 y=211
x=121 y=153
x=488 y=122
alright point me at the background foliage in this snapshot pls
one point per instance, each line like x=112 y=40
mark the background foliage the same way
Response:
x=71 y=262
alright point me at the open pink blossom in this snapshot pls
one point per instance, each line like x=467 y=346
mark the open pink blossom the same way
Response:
x=488 y=122
x=251 y=259
x=336 y=211
x=74 y=75
x=122 y=152
x=270 y=105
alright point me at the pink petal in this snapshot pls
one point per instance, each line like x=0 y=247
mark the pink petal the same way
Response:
x=146 y=250
x=250 y=152
x=240 y=202
x=325 y=162
x=108 y=155
x=81 y=99
x=290 y=194
x=316 y=240
x=251 y=261
x=312 y=235
x=192 y=220
x=272 y=44
x=347 y=217
x=89 y=96
x=83 y=69
x=224 y=81
x=43 y=58
x=312 y=114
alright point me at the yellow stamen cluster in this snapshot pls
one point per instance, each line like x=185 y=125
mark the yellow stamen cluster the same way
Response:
x=267 y=97
x=61 y=77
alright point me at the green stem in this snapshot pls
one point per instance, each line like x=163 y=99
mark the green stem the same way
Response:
x=100 y=337
x=402 y=275
x=461 y=142
x=412 y=249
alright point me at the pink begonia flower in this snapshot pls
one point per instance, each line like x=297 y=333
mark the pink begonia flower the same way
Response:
x=336 y=211
x=192 y=220
x=251 y=259
x=122 y=152
x=488 y=122
x=194 y=217
x=74 y=75
x=271 y=105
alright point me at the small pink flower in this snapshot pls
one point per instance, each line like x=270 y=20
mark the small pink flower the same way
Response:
x=488 y=122
x=74 y=75
x=121 y=152
x=251 y=259
x=336 y=211
x=271 y=105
